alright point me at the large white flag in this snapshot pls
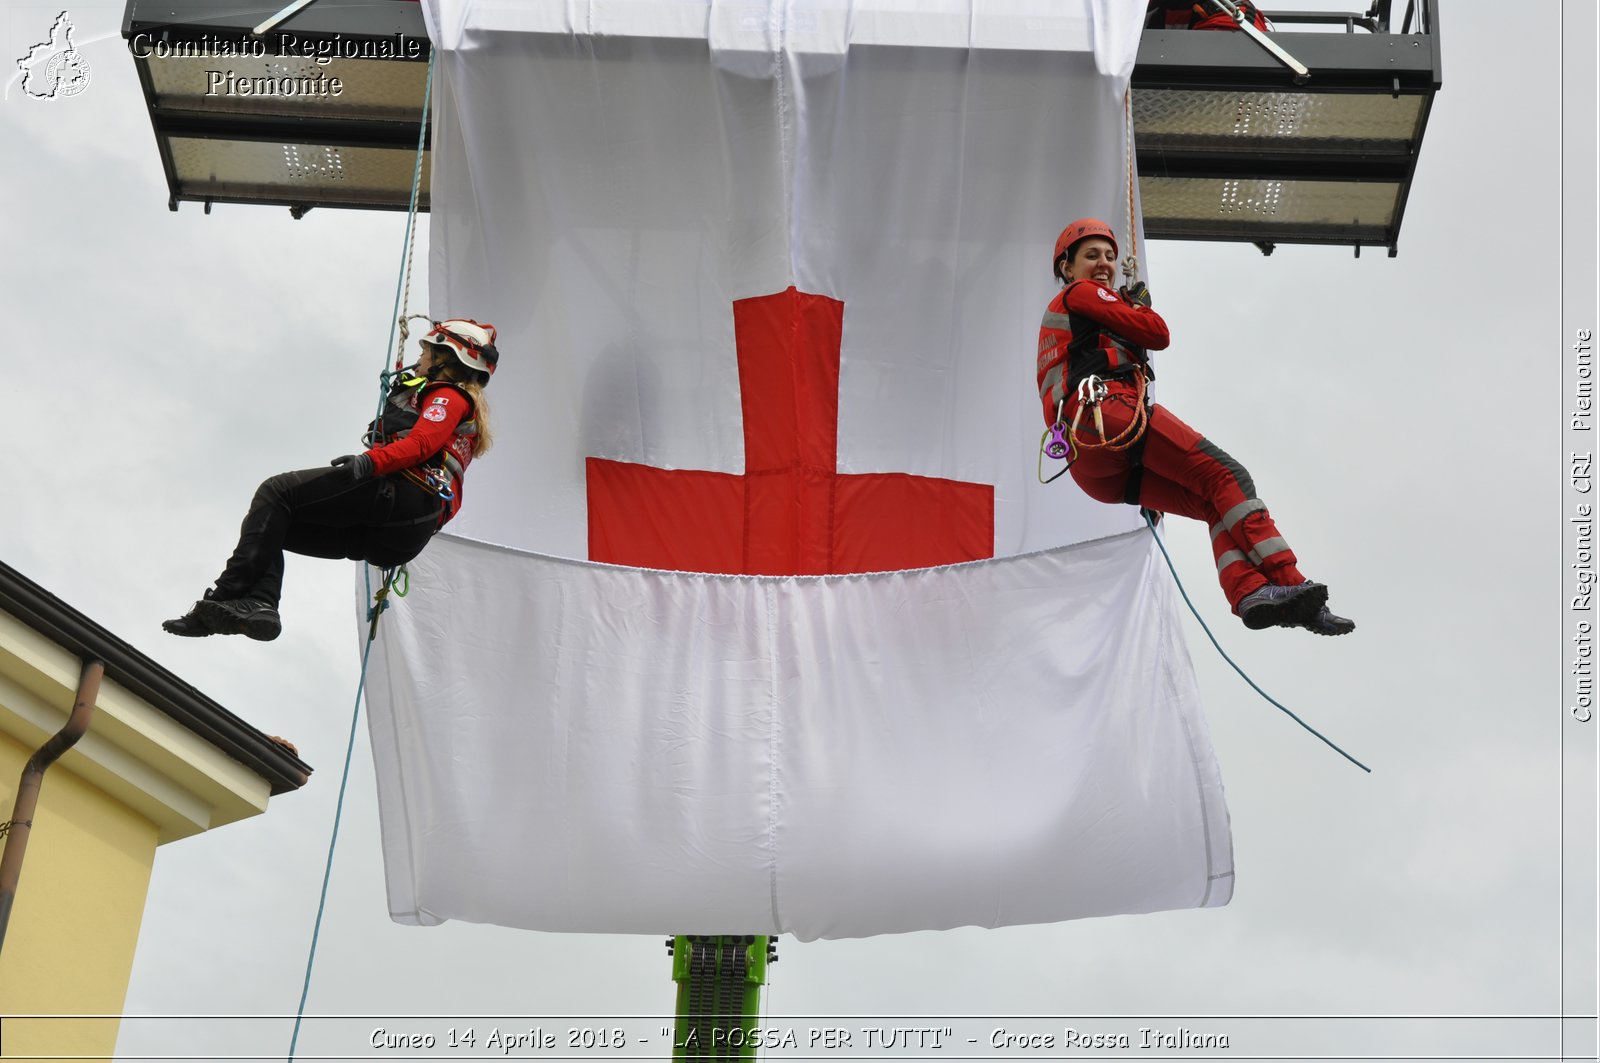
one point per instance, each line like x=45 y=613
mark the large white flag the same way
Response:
x=768 y=279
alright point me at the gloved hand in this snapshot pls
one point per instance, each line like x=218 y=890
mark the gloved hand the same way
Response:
x=359 y=466
x=1135 y=294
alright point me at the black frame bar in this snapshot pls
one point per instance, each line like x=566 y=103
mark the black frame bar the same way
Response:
x=395 y=23
x=1399 y=64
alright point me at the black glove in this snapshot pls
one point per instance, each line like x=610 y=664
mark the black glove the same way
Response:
x=1135 y=294
x=359 y=466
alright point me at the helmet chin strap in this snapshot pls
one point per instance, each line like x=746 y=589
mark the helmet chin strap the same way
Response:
x=438 y=357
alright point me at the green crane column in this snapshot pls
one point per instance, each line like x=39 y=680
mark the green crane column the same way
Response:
x=719 y=980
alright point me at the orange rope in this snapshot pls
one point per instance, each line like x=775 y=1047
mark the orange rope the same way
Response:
x=1125 y=438
x=1141 y=415
x=1127 y=133
x=1141 y=410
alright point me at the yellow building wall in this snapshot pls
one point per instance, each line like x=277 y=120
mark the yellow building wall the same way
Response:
x=70 y=942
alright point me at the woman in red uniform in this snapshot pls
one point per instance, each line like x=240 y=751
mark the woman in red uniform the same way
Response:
x=381 y=506
x=1093 y=336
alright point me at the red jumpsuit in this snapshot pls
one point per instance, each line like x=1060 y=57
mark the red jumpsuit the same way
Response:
x=1090 y=329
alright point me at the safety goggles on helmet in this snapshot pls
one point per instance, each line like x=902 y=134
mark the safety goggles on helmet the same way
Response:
x=471 y=343
x=1079 y=230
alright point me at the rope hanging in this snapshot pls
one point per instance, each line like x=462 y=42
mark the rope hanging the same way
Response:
x=1170 y=568
x=397 y=579
x=1130 y=262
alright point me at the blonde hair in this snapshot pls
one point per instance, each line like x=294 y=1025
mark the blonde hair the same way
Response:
x=465 y=379
x=481 y=440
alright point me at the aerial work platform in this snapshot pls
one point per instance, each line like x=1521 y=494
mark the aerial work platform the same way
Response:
x=1230 y=147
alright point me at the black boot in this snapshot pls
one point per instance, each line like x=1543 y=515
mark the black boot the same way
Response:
x=1275 y=606
x=191 y=625
x=1326 y=623
x=240 y=616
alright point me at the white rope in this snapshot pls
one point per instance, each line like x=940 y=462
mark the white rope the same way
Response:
x=411 y=244
x=1130 y=262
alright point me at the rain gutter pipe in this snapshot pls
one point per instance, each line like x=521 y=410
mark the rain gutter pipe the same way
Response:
x=21 y=824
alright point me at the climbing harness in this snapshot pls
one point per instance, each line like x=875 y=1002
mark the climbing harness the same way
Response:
x=399 y=413
x=396 y=579
x=432 y=479
x=1062 y=441
x=1130 y=441
x=1091 y=393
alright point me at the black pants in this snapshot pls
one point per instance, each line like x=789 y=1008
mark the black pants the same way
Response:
x=384 y=520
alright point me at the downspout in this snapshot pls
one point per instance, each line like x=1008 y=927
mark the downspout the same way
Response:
x=21 y=824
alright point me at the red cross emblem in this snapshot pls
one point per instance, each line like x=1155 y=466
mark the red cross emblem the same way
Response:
x=791 y=513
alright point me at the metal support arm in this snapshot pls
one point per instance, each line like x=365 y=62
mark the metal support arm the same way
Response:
x=1301 y=74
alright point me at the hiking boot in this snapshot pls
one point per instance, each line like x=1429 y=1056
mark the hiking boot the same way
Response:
x=1327 y=623
x=191 y=625
x=240 y=616
x=1275 y=606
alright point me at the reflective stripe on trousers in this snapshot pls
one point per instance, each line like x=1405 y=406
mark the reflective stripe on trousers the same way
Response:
x=1188 y=475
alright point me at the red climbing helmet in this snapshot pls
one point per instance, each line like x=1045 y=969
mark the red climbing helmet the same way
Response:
x=1078 y=230
x=469 y=341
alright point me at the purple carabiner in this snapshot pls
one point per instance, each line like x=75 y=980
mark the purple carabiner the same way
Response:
x=1058 y=447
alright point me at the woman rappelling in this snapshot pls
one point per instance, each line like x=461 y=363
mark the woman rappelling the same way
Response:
x=1093 y=370
x=380 y=506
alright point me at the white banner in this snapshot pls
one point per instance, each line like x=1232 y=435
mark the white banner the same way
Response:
x=570 y=746
x=768 y=279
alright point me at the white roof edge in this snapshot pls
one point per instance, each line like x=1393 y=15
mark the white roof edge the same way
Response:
x=133 y=751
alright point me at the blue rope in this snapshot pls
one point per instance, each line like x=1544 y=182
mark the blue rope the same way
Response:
x=411 y=216
x=327 y=871
x=1151 y=525
x=389 y=576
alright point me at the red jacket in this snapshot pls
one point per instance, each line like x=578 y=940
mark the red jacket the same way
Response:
x=1088 y=328
x=443 y=414
x=1181 y=14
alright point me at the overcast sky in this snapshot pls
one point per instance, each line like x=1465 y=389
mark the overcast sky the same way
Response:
x=1402 y=415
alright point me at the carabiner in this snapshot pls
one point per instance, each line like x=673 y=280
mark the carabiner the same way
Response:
x=1058 y=446
x=1091 y=390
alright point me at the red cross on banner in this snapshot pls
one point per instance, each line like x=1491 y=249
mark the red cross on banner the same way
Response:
x=791 y=513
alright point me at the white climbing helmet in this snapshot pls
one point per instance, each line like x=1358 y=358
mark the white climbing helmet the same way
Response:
x=472 y=343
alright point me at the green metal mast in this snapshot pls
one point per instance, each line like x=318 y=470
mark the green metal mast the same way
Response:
x=719 y=980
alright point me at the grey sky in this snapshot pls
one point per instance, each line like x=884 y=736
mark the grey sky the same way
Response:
x=1401 y=416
